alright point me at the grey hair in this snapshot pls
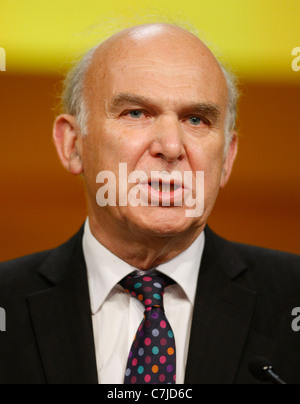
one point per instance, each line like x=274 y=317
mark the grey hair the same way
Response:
x=232 y=105
x=73 y=100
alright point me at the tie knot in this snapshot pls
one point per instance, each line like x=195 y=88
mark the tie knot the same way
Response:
x=148 y=289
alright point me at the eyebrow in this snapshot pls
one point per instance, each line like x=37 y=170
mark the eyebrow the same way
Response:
x=126 y=98
x=211 y=110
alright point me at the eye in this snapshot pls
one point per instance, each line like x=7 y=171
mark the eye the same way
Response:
x=136 y=114
x=195 y=120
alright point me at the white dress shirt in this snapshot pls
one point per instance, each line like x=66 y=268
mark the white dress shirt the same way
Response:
x=116 y=315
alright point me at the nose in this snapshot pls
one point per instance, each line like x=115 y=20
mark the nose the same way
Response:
x=168 y=140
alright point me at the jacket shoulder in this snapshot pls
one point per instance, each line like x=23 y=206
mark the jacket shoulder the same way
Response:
x=251 y=255
x=260 y=266
x=21 y=271
x=29 y=273
x=274 y=273
x=258 y=256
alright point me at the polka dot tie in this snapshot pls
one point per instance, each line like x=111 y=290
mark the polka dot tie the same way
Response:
x=152 y=358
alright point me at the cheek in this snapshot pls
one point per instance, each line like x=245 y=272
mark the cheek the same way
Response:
x=208 y=158
x=110 y=145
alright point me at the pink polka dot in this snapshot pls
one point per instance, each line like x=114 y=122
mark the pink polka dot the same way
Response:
x=147 y=279
x=148 y=360
x=134 y=362
x=162 y=359
x=162 y=378
x=133 y=380
x=147 y=378
x=147 y=341
x=163 y=342
x=163 y=324
x=148 y=302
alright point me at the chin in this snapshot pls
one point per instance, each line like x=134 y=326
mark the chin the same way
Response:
x=164 y=222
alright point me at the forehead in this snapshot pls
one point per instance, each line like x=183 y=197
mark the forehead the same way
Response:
x=165 y=67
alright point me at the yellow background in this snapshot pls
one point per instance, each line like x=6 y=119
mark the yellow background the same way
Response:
x=255 y=36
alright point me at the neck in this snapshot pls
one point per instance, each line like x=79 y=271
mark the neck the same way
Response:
x=142 y=250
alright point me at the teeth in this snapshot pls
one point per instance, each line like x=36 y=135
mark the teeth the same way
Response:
x=155 y=186
x=164 y=187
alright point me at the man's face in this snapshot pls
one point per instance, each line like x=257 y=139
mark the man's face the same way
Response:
x=157 y=104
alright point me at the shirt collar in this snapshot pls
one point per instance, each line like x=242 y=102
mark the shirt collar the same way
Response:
x=184 y=269
x=105 y=270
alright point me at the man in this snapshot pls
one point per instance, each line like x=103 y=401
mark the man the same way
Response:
x=155 y=99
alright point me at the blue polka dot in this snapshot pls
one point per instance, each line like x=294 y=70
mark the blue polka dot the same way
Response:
x=141 y=370
x=155 y=332
x=155 y=350
x=157 y=296
x=170 y=334
x=137 y=285
x=141 y=352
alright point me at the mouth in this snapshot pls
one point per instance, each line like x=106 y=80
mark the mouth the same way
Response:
x=167 y=193
x=164 y=187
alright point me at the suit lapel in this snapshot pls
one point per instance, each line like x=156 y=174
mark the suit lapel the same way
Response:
x=222 y=316
x=61 y=318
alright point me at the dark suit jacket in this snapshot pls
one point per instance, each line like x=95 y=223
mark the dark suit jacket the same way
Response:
x=243 y=308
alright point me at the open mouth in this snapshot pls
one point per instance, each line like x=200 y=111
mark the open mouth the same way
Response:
x=164 y=192
x=164 y=187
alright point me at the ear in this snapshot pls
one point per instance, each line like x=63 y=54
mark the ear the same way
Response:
x=67 y=140
x=229 y=160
